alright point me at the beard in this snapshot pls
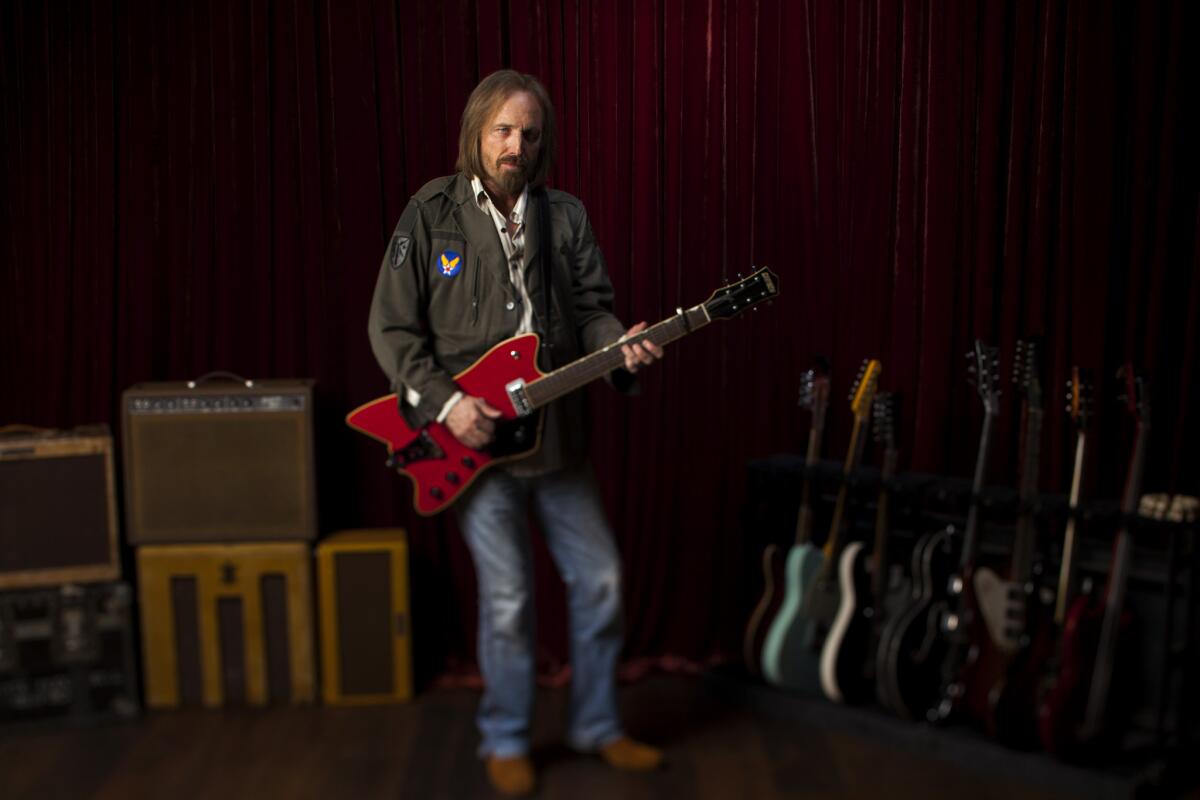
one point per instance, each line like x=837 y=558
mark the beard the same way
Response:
x=511 y=182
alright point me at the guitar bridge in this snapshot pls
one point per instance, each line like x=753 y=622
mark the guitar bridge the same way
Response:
x=518 y=397
x=423 y=448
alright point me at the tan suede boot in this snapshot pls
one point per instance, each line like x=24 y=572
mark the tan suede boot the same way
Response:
x=626 y=754
x=512 y=776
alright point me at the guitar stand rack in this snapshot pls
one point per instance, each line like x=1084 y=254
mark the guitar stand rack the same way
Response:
x=1158 y=747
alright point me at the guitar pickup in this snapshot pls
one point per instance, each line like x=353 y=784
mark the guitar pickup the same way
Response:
x=423 y=448
x=518 y=397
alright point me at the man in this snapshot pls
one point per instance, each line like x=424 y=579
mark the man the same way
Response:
x=478 y=257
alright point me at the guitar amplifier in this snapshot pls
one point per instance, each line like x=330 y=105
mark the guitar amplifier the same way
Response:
x=366 y=654
x=226 y=624
x=58 y=515
x=67 y=652
x=212 y=461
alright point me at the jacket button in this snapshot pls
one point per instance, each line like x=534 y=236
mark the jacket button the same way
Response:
x=510 y=305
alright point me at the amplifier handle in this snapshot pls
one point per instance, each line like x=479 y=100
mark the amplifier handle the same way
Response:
x=220 y=374
x=24 y=430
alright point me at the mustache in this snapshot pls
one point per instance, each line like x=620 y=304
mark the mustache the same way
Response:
x=519 y=161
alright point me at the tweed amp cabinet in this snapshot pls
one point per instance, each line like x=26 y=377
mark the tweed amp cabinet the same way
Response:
x=67 y=652
x=227 y=624
x=58 y=515
x=366 y=651
x=219 y=459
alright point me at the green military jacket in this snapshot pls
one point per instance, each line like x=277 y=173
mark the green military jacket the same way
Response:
x=432 y=318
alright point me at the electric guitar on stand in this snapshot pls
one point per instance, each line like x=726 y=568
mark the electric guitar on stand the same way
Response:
x=1097 y=728
x=508 y=378
x=848 y=657
x=916 y=644
x=1063 y=691
x=814 y=395
x=791 y=653
x=1019 y=620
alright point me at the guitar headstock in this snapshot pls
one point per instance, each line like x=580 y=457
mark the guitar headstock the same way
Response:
x=729 y=301
x=886 y=412
x=814 y=391
x=984 y=375
x=1079 y=397
x=863 y=393
x=1025 y=372
x=1134 y=394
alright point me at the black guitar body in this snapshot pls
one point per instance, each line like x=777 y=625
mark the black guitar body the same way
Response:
x=850 y=660
x=911 y=648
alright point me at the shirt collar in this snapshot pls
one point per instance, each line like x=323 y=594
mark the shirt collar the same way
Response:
x=485 y=203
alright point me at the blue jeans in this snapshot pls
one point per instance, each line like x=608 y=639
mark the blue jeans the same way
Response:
x=493 y=516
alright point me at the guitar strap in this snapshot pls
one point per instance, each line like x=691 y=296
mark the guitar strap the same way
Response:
x=542 y=198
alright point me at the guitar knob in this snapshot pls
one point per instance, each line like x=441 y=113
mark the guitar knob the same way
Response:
x=950 y=623
x=956 y=585
x=468 y=462
x=452 y=478
x=437 y=492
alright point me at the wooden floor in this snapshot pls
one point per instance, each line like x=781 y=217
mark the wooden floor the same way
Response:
x=724 y=738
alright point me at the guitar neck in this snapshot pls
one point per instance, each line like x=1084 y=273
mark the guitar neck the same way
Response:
x=583 y=371
x=1066 y=572
x=969 y=537
x=804 y=517
x=853 y=456
x=1114 y=600
x=1026 y=537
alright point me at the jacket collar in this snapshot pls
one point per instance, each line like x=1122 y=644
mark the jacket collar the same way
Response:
x=478 y=228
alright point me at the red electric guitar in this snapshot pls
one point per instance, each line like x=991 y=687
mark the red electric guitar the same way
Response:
x=507 y=377
x=1075 y=719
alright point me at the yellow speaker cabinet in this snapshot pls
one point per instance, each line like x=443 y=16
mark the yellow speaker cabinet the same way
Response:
x=227 y=624
x=366 y=654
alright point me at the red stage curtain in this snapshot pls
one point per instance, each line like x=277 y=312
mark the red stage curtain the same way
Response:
x=211 y=185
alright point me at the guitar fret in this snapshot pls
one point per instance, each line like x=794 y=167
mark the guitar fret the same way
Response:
x=567 y=379
x=1026 y=534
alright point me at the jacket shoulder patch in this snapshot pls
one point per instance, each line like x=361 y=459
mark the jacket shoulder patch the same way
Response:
x=398 y=251
x=402 y=237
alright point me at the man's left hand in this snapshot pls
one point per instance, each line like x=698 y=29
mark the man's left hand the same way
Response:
x=639 y=354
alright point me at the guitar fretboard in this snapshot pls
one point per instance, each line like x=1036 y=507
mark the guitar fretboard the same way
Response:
x=969 y=538
x=804 y=516
x=1026 y=537
x=567 y=379
x=1065 y=579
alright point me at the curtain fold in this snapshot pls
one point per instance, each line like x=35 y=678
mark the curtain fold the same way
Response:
x=211 y=187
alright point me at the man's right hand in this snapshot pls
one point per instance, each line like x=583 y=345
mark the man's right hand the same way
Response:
x=471 y=421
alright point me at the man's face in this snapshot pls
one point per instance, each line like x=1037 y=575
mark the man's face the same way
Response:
x=510 y=142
